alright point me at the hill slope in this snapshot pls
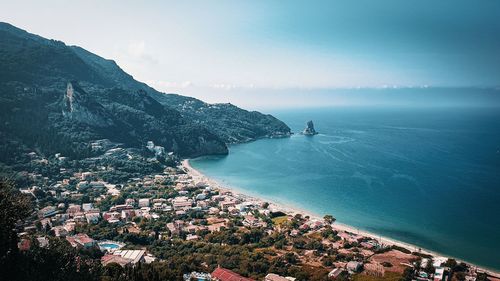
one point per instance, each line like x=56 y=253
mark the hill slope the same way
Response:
x=57 y=98
x=231 y=123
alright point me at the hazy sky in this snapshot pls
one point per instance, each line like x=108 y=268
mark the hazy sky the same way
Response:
x=210 y=49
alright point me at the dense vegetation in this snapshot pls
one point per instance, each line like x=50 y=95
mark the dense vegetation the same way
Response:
x=37 y=114
x=230 y=123
x=244 y=252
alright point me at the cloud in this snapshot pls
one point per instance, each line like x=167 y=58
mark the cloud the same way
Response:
x=169 y=85
x=225 y=86
x=137 y=51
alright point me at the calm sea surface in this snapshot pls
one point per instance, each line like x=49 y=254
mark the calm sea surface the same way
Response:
x=430 y=177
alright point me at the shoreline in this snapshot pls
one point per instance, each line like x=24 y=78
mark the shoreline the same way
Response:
x=290 y=210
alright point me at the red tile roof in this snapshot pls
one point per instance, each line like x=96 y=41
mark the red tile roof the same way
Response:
x=107 y=259
x=24 y=245
x=223 y=274
x=72 y=241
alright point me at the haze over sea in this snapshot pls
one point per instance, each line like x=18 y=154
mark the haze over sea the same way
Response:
x=429 y=177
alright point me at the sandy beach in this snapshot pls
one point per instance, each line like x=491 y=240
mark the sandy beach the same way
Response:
x=291 y=210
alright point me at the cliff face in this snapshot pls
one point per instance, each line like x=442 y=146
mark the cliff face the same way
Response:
x=103 y=101
x=309 y=130
x=134 y=119
x=79 y=108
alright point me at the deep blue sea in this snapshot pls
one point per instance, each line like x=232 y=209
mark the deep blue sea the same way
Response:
x=429 y=177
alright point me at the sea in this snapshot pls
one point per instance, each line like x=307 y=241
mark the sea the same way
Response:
x=425 y=176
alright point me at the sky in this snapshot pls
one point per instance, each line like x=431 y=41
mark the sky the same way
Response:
x=233 y=51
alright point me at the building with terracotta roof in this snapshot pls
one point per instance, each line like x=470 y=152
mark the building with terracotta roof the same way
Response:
x=224 y=205
x=48 y=211
x=216 y=227
x=107 y=259
x=81 y=239
x=223 y=274
x=24 y=245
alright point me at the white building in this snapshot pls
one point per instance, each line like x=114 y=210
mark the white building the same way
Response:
x=134 y=256
x=143 y=202
x=87 y=206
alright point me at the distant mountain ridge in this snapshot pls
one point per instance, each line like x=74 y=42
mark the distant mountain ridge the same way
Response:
x=227 y=121
x=72 y=96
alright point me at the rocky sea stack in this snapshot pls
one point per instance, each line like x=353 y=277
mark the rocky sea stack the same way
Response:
x=309 y=130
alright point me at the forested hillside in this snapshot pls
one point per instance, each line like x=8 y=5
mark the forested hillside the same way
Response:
x=37 y=112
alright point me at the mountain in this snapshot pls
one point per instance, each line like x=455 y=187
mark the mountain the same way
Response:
x=229 y=122
x=58 y=98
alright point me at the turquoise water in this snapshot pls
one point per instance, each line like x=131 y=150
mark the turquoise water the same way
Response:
x=429 y=177
x=109 y=246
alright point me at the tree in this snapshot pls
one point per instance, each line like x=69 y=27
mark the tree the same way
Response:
x=417 y=265
x=408 y=274
x=460 y=276
x=13 y=207
x=329 y=219
x=58 y=261
x=113 y=271
x=429 y=267
x=482 y=277
x=451 y=263
x=343 y=276
x=38 y=226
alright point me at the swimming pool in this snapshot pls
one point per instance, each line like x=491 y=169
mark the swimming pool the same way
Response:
x=110 y=246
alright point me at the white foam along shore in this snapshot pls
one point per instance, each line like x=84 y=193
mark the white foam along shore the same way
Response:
x=290 y=210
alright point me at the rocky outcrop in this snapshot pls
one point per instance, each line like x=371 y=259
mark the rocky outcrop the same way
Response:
x=309 y=130
x=133 y=117
x=80 y=108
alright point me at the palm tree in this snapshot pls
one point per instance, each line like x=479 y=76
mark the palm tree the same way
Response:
x=329 y=219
